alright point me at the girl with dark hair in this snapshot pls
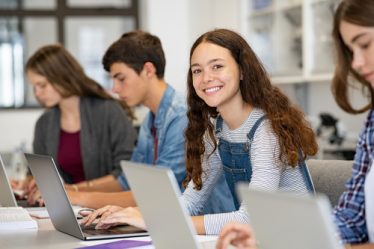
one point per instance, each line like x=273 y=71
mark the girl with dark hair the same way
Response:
x=240 y=126
x=84 y=129
x=353 y=33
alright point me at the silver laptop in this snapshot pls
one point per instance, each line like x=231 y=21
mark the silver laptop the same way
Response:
x=7 y=198
x=287 y=221
x=58 y=205
x=157 y=194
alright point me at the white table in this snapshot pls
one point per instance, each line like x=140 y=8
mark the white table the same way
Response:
x=47 y=237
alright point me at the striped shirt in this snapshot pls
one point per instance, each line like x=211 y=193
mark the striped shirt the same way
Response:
x=268 y=172
x=350 y=211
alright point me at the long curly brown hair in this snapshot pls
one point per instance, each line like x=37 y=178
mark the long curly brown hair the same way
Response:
x=359 y=13
x=295 y=136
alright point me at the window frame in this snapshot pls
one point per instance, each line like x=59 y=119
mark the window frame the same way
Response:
x=61 y=12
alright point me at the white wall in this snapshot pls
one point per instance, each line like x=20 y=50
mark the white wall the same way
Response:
x=168 y=19
x=179 y=23
x=322 y=100
x=17 y=127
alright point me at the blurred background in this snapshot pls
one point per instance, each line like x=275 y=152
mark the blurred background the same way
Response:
x=291 y=37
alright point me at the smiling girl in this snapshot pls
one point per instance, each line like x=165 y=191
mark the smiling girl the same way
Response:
x=240 y=126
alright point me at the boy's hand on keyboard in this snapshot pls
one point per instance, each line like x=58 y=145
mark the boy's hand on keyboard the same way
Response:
x=130 y=216
x=99 y=214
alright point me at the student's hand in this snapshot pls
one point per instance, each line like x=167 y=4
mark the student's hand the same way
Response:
x=130 y=216
x=34 y=198
x=239 y=235
x=31 y=187
x=99 y=213
x=22 y=186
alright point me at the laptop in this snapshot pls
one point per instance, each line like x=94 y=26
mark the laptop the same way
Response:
x=7 y=194
x=7 y=198
x=58 y=205
x=157 y=194
x=288 y=221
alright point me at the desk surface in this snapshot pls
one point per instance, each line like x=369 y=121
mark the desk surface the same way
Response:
x=47 y=237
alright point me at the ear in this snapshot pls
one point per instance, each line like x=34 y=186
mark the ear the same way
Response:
x=149 y=69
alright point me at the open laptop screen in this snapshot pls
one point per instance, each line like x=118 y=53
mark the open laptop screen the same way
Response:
x=58 y=205
x=289 y=221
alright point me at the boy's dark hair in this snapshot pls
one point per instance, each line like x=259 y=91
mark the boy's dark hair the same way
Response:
x=135 y=48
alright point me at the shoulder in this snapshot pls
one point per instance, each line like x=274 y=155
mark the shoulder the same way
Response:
x=177 y=108
x=98 y=102
x=369 y=122
x=99 y=105
x=178 y=103
x=368 y=128
x=258 y=118
x=263 y=134
x=47 y=116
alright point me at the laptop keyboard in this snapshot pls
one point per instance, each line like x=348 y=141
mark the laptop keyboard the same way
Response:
x=126 y=229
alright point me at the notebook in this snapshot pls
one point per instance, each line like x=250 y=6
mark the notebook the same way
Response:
x=157 y=194
x=58 y=205
x=289 y=221
x=14 y=218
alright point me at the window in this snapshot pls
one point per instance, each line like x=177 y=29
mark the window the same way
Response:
x=26 y=25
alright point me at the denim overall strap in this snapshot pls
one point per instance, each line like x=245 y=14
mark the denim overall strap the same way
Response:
x=219 y=123
x=306 y=175
x=235 y=159
x=251 y=133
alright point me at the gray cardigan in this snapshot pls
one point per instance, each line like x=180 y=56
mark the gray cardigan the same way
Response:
x=106 y=136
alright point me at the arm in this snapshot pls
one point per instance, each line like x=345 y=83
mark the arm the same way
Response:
x=198 y=222
x=98 y=199
x=350 y=211
x=103 y=184
x=195 y=200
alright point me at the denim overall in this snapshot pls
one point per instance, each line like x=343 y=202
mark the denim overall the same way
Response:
x=236 y=160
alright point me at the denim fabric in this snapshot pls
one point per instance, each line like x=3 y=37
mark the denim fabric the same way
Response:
x=170 y=123
x=220 y=199
x=236 y=159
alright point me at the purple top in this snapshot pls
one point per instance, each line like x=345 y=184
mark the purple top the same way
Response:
x=69 y=155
